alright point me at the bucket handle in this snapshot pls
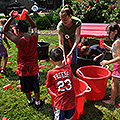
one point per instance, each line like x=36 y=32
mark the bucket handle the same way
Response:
x=107 y=67
x=51 y=92
x=88 y=89
x=80 y=73
x=41 y=40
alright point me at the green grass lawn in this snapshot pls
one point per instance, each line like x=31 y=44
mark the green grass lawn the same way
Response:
x=13 y=103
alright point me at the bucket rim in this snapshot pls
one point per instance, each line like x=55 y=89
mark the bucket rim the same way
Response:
x=84 y=77
x=47 y=44
x=88 y=89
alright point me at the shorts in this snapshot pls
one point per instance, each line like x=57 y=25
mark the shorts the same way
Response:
x=116 y=70
x=30 y=83
x=64 y=114
x=3 y=52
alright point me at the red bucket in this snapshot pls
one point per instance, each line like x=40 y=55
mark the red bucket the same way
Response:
x=96 y=77
x=81 y=88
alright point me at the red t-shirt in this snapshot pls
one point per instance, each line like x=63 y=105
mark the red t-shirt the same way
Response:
x=62 y=79
x=27 y=59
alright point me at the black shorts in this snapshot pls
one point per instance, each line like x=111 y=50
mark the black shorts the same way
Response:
x=30 y=83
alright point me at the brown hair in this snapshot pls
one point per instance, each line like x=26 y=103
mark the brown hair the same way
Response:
x=3 y=21
x=84 y=49
x=67 y=10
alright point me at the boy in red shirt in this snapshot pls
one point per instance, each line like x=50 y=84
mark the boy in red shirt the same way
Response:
x=61 y=77
x=27 y=59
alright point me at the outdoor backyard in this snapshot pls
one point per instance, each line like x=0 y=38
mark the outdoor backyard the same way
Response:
x=13 y=103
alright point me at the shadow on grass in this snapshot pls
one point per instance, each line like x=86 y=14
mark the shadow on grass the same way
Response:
x=11 y=75
x=46 y=113
x=91 y=112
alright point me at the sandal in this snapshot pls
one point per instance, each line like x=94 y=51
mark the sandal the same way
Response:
x=4 y=72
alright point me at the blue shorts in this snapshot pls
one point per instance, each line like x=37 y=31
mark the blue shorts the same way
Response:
x=64 y=114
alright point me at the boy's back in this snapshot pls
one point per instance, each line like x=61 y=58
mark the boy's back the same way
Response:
x=62 y=79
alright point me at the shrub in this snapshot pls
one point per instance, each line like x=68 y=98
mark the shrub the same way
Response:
x=50 y=17
x=112 y=14
x=91 y=10
x=42 y=23
x=56 y=17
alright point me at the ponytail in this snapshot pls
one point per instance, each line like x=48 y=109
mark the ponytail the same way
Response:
x=71 y=10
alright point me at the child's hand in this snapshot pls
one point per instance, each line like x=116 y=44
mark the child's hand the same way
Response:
x=104 y=63
x=11 y=14
x=94 y=59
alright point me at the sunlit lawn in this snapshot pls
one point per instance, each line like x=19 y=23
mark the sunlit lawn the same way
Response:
x=13 y=103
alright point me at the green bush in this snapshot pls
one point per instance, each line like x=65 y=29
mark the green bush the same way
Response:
x=50 y=17
x=91 y=11
x=112 y=14
x=56 y=17
x=42 y=23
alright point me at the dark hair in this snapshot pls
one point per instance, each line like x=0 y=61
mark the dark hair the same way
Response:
x=112 y=27
x=67 y=10
x=56 y=54
x=70 y=9
x=84 y=42
x=22 y=26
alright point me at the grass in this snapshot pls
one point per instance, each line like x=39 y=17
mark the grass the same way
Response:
x=13 y=103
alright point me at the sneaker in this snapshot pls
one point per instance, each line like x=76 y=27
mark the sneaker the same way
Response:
x=42 y=102
x=4 y=72
x=31 y=102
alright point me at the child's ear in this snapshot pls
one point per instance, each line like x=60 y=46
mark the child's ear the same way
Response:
x=115 y=31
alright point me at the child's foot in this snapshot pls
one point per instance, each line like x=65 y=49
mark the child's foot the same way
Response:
x=4 y=72
x=39 y=106
x=109 y=102
x=31 y=102
x=118 y=96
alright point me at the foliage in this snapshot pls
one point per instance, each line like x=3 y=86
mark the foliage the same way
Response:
x=42 y=23
x=50 y=17
x=56 y=17
x=91 y=11
x=112 y=14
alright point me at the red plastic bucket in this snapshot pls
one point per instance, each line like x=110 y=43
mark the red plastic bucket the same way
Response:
x=96 y=77
x=81 y=87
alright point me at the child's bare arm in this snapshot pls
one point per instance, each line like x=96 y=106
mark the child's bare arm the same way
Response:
x=7 y=33
x=32 y=24
x=6 y=41
x=95 y=58
x=107 y=47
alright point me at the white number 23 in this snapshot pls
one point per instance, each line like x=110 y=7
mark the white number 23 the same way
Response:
x=61 y=85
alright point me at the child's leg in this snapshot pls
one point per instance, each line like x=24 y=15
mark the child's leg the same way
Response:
x=114 y=84
x=28 y=95
x=0 y=61
x=4 y=62
x=118 y=90
x=37 y=96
